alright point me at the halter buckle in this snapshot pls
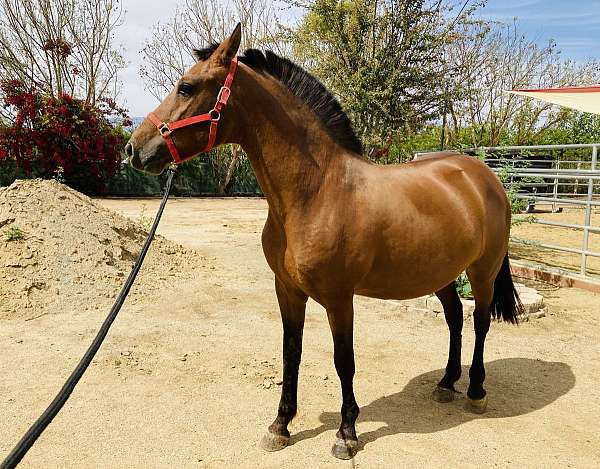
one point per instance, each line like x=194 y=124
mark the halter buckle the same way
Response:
x=215 y=116
x=164 y=129
x=223 y=95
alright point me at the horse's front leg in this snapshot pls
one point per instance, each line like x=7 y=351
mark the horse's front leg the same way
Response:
x=341 y=318
x=292 y=304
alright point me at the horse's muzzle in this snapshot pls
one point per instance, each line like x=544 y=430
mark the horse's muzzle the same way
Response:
x=133 y=156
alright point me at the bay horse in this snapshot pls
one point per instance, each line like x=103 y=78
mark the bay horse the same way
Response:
x=339 y=225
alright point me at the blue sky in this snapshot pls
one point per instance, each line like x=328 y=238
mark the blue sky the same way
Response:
x=573 y=24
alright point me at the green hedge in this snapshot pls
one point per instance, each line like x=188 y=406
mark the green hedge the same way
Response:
x=195 y=177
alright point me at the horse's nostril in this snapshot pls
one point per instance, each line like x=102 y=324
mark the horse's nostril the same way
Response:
x=129 y=150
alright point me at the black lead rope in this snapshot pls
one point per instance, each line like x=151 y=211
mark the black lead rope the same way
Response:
x=44 y=420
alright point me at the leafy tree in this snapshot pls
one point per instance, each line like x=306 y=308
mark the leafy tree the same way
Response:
x=67 y=46
x=578 y=127
x=383 y=58
x=168 y=52
x=489 y=59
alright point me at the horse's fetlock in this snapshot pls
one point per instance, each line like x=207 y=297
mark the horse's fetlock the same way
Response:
x=449 y=379
x=287 y=411
x=279 y=428
x=347 y=432
x=476 y=392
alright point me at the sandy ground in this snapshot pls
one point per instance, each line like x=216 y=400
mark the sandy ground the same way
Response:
x=187 y=377
x=566 y=237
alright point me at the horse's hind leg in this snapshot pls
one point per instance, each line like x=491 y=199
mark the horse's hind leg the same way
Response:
x=292 y=304
x=453 y=312
x=482 y=285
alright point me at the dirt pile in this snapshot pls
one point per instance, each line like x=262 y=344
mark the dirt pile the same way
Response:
x=60 y=251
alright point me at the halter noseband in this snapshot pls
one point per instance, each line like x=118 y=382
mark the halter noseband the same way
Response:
x=214 y=115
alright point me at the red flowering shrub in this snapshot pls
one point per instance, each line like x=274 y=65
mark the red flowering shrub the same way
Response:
x=61 y=137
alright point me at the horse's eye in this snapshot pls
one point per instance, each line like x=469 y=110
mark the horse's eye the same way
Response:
x=185 y=89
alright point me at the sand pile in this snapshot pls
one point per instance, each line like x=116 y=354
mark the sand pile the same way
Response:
x=60 y=252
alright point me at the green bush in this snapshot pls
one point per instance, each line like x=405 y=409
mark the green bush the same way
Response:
x=59 y=136
x=463 y=286
x=14 y=233
x=201 y=175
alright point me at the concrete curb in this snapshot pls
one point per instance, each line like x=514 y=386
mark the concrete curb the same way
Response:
x=554 y=278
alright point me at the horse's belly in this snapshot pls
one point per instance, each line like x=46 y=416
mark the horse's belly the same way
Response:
x=399 y=290
x=419 y=274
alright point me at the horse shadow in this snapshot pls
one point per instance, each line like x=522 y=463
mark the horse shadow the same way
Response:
x=515 y=386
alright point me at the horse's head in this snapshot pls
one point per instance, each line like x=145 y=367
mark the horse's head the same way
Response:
x=195 y=94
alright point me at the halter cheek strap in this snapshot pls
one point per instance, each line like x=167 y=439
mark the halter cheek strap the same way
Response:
x=213 y=116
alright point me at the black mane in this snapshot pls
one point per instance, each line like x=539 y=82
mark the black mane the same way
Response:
x=305 y=87
x=204 y=54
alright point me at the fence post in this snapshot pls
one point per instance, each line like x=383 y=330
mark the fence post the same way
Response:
x=555 y=191
x=588 y=214
x=576 y=186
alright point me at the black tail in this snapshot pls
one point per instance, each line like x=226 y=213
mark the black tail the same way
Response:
x=506 y=304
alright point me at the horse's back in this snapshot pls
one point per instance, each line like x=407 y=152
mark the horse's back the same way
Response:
x=443 y=180
x=462 y=175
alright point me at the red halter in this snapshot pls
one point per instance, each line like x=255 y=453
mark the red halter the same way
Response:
x=214 y=115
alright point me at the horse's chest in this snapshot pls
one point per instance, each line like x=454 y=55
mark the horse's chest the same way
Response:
x=316 y=256
x=309 y=255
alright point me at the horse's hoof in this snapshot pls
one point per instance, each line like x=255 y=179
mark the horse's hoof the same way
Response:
x=477 y=406
x=344 y=449
x=271 y=442
x=443 y=395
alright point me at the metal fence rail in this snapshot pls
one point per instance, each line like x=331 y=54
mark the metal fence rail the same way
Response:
x=586 y=175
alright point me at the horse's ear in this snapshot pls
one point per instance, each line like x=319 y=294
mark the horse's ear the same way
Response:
x=229 y=47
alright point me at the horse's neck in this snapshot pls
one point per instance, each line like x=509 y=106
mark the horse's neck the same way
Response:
x=289 y=149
